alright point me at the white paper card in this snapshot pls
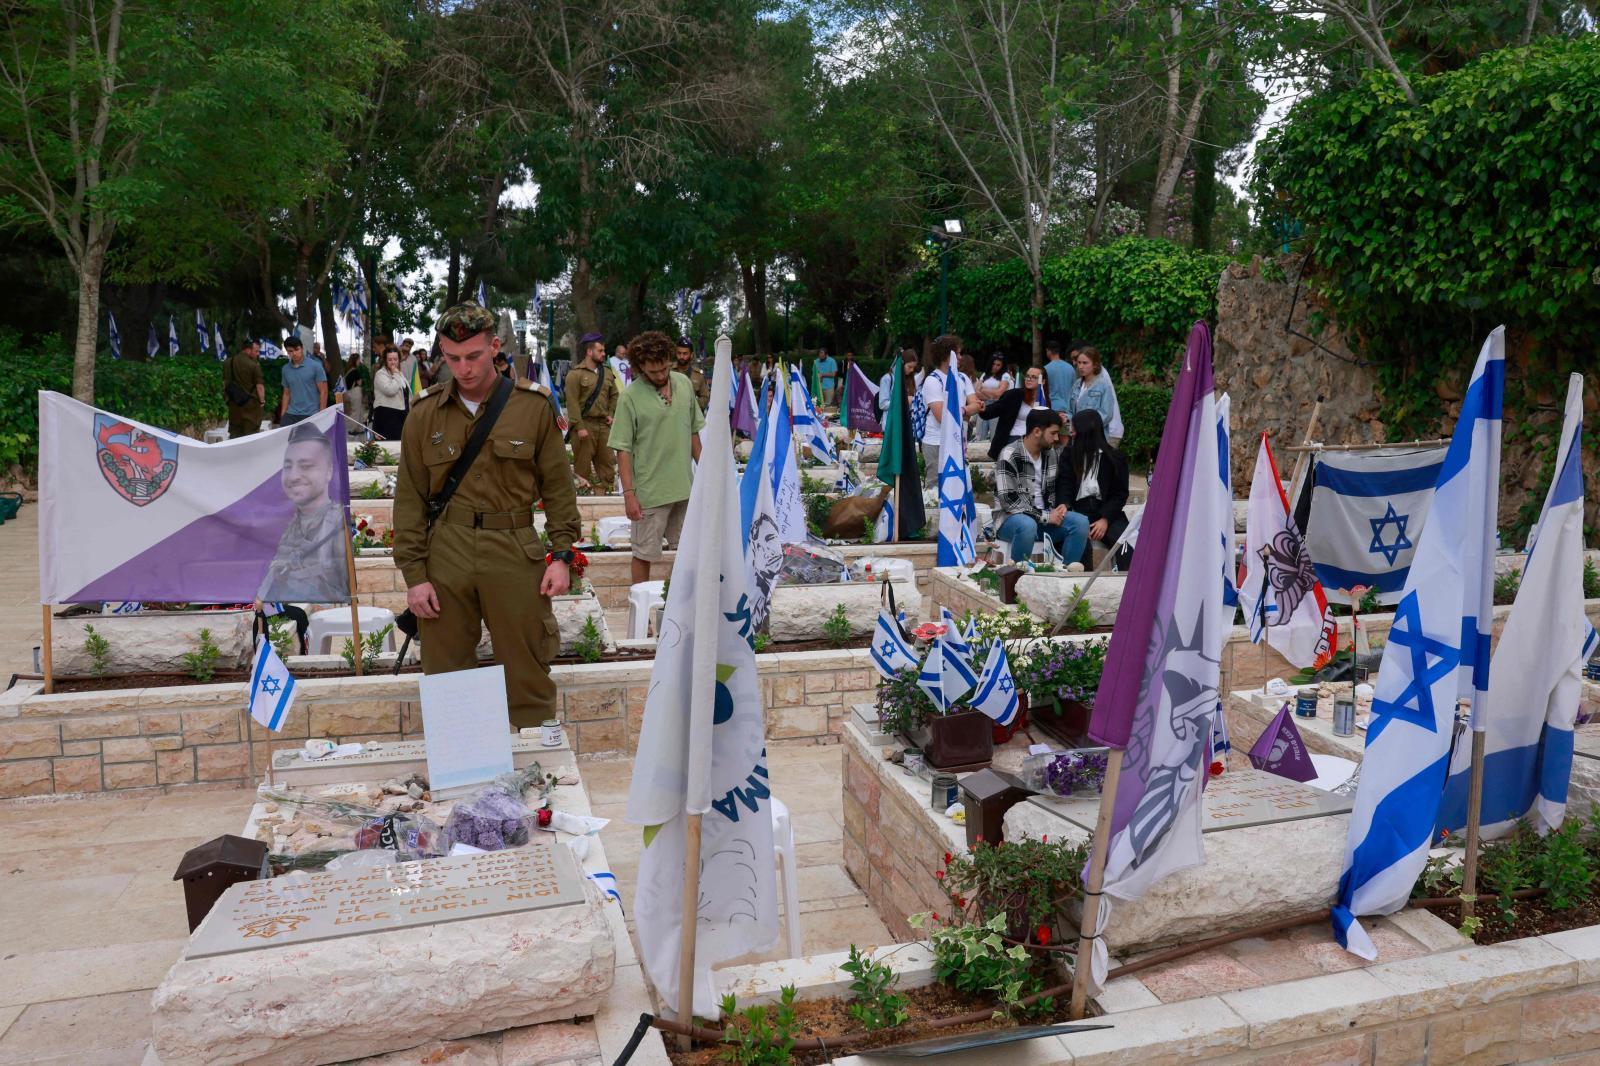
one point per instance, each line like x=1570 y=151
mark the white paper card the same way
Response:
x=465 y=726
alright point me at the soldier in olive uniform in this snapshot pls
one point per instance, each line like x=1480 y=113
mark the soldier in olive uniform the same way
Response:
x=592 y=389
x=244 y=390
x=482 y=558
x=697 y=377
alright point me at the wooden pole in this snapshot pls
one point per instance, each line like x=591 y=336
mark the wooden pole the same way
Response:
x=250 y=741
x=355 y=610
x=894 y=497
x=47 y=654
x=1306 y=448
x=1106 y=562
x=1469 y=873
x=1091 y=896
x=689 y=924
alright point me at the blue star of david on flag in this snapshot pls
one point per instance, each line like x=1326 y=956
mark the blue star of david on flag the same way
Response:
x=271 y=685
x=996 y=695
x=1401 y=542
x=1415 y=702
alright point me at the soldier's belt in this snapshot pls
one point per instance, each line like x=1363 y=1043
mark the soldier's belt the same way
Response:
x=465 y=516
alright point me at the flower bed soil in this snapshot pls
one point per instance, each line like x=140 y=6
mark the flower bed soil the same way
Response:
x=1534 y=917
x=827 y=1018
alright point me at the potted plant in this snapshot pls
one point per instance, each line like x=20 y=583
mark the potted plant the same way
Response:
x=1061 y=678
x=962 y=737
x=1008 y=623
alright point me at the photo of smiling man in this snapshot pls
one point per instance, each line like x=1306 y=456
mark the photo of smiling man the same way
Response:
x=309 y=565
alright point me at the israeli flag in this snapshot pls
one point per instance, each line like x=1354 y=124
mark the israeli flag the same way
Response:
x=808 y=425
x=683 y=301
x=272 y=351
x=694 y=307
x=930 y=677
x=958 y=642
x=958 y=511
x=606 y=881
x=216 y=335
x=115 y=335
x=956 y=676
x=1538 y=666
x=890 y=651
x=537 y=306
x=200 y=330
x=1438 y=652
x=1221 y=743
x=172 y=335
x=271 y=687
x=1367 y=515
x=151 y=345
x=483 y=295
x=883 y=528
x=997 y=690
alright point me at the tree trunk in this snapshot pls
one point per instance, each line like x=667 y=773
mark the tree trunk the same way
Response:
x=754 y=279
x=585 y=296
x=304 y=309
x=1204 y=209
x=636 y=297
x=1036 y=317
x=330 y=325
x=452 y=294
x=83 y=348
x=1167 y=177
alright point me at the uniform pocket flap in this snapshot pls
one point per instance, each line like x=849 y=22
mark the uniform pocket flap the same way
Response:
x=512 y=448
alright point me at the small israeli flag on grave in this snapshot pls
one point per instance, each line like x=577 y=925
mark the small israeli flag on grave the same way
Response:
x=271 y=687
x=890 y=652
x=997 y=690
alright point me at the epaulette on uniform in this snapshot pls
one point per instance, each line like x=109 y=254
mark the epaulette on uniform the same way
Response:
x=432 y=390
x=529 y=385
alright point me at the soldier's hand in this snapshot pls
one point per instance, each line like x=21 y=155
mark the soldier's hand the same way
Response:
x=556 y=579
x=582 y=434
x=608 y=420
x=422 y=600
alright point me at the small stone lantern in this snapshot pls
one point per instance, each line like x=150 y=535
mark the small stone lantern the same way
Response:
x=987 y=795
x=208 y=870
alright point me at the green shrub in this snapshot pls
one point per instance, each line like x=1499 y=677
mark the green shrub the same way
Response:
x=99 y=651
x=759 y=1036
x=201 y=664
x=874 y=1003
x=1135 y=294
x=182 y=394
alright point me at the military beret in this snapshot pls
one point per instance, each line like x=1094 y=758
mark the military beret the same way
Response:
x=304 y=431
x=683 y=342
x=591 y=338
x=465 y=321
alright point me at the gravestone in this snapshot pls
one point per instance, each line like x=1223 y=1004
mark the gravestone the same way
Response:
x=1585 y=787
x=398 y=758
x=1274 y=848
x=328 y=967
x=283 y=910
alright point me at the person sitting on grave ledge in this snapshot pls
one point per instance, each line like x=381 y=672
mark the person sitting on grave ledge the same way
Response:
x=1026 y=492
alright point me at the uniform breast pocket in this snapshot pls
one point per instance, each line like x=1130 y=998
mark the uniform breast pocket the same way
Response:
x=513 y=449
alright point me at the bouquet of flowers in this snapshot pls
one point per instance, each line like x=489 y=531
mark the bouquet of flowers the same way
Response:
x=902 y=704
x=1061 y=670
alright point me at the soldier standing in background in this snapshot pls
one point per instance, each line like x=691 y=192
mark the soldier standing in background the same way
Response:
x=244 y=389
x=685 y=365
x=591 y=389
x=480 y=560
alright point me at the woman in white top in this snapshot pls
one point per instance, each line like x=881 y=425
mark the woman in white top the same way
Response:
x=991 y=387
x=390 y=396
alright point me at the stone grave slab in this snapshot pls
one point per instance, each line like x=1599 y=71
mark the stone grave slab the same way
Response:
x=280 y=911
x=1585 y=788
x=1250 y=711
x=364 y=962
x=397 y=758
x=1274 y=848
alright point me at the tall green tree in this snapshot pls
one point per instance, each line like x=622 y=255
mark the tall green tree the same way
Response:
x=103 y=101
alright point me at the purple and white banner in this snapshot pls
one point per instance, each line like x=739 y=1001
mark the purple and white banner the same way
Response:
x=131 y=512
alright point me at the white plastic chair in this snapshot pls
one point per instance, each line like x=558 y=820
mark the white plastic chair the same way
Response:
x=783 y=844
x=614 y=530
x=333 y=625
x=641 y=598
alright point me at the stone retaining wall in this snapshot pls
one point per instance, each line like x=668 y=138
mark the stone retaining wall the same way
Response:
x=138 y=738
x=378 y=582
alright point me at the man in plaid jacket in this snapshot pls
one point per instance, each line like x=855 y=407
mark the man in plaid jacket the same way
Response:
x=1025 y=492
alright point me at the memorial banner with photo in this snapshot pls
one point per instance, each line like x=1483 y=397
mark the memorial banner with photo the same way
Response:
x=132 y=512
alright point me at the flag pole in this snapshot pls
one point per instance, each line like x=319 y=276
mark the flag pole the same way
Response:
x=688 y=925
x=1469 y=872
x=47 y=653
x=1096 y=880
x=355 y=610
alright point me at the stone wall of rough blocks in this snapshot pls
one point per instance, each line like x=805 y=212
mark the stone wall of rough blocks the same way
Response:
x=109 y=740
x=890 y=848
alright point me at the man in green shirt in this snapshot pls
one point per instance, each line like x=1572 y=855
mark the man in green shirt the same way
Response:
x=656 y=436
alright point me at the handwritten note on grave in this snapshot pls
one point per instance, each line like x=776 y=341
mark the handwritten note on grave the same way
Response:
x=271 y=913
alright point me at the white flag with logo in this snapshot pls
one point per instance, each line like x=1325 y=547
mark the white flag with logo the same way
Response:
x=1278 y=589
x=702 y=748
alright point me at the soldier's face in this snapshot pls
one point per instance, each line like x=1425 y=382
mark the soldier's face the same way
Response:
x=307 y=469
x=595 y=353
x=472 y=363
x=684 y=355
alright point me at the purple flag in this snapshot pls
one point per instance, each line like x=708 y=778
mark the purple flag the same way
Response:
x=1158 y=693
x=861 y=402
x=1281 y=751
x=743 y=414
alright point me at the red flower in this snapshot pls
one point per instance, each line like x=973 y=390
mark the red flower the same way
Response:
x=1044 y=934
x=947 y=858
x=939 y=874
x=1045 y=839
x=936 y=917
x=1217 y=768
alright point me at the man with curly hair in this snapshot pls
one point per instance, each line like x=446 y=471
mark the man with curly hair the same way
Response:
x=655 y=433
